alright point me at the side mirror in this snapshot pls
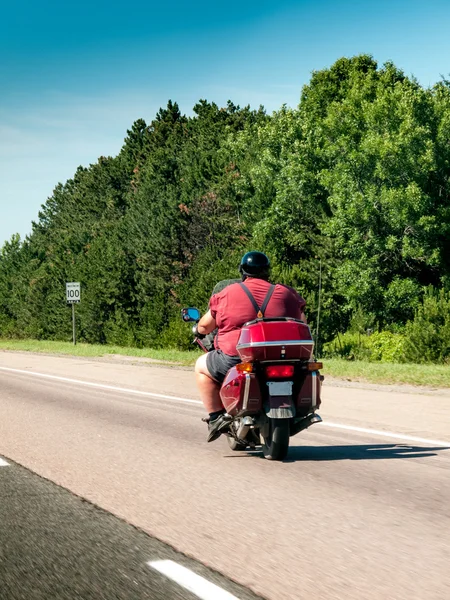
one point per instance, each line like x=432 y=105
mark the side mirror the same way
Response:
x=190 y=314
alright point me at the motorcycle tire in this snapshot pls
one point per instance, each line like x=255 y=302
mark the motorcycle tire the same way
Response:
x=276 y=445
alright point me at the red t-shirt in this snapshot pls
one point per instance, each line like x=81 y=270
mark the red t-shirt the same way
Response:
x=231 y=308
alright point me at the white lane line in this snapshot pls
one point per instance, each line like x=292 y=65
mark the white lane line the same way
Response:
x=204 y=589
x=388 y=434
x=101 y=385
x=3 y=463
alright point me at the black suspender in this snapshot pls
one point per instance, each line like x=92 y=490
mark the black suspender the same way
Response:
x=259 y=311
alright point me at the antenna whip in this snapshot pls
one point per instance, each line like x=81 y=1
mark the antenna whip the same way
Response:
x=318 y=307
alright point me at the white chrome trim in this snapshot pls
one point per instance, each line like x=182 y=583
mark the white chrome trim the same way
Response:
x=280 y=343
x=246 y=391
x=283 y=360
x=314 y=389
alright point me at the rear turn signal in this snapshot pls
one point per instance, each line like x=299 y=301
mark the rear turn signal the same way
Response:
x=279 y=371
x=314 y=366
x=244 y=367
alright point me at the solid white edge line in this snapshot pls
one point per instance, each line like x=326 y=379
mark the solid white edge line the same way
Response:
x=204 y=589
x=101 y=385
x=388 y=434
x=3 y=463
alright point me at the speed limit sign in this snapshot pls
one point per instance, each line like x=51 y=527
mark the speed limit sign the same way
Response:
x=73 y=292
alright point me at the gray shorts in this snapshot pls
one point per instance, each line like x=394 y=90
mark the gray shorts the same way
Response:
x=219 y=364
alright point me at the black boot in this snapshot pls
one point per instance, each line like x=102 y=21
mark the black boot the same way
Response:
x=218 y=426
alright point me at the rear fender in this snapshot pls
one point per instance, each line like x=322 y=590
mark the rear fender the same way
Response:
x=280 y=407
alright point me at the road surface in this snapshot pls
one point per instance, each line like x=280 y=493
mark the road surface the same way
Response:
x=360 y=509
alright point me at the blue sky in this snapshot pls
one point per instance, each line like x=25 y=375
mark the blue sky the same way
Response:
x=75 y=75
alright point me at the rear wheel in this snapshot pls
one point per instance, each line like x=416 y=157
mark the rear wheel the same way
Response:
x=276 y=439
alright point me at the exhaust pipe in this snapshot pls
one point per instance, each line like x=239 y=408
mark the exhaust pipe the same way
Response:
x=304 y=423
x=244 y=428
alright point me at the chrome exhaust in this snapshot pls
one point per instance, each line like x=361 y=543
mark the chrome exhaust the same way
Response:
x=244 y=427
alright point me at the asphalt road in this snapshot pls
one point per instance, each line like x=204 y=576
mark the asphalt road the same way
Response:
x=360 y=509
x=55 y=545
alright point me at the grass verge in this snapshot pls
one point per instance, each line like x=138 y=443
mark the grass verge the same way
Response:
x=50 y=347
x=387 y=373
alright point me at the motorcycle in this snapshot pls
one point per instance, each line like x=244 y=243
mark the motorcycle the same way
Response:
x=274 y=392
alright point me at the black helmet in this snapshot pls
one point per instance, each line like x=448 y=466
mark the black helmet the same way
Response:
x=255 y=264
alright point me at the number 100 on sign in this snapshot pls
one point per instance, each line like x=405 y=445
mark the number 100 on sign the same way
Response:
x=73 y=292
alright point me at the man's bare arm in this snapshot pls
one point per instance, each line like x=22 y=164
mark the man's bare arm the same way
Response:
x=206 y=324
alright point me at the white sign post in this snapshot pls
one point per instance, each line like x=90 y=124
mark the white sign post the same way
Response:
x=73 y=296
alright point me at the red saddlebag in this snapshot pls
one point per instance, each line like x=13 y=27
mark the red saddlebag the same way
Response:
x=240 y=393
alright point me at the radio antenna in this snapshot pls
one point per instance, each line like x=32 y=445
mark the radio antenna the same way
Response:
x=318 y=306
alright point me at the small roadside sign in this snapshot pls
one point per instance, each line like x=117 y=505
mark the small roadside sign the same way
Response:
x=73 y=292
x=73 y=296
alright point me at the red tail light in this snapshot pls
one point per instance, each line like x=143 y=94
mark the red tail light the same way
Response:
x=279 y=371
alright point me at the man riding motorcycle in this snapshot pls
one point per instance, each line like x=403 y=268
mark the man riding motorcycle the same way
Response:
x=229 y=309
x=209 y=340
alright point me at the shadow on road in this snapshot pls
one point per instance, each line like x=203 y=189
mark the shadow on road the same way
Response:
x=351 y=452
x=360 y=452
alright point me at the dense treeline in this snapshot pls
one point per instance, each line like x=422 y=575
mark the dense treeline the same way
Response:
x=356 y=178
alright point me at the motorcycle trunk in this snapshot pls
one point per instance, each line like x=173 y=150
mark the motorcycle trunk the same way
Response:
x=277 y=339
x=271 y=342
